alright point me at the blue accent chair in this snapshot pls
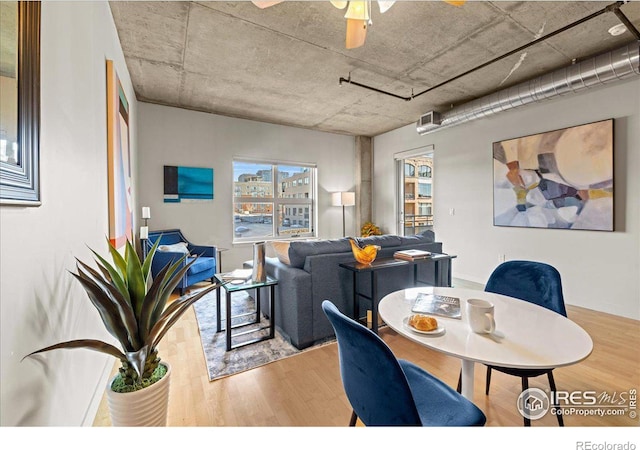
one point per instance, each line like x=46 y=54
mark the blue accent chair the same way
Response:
x=386 y=391
x=203 y=269
x=534 y=282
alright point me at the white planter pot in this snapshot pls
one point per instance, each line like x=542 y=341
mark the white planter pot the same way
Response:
x=144 y=408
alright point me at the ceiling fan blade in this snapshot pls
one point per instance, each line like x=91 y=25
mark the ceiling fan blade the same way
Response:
x=339 y=4
x=356 y=33
x=455 y=3
x=265 y=4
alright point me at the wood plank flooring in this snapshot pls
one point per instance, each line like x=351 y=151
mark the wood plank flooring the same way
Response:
x=305 y=390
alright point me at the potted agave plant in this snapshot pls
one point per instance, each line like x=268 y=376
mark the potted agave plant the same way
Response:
x=136 y=311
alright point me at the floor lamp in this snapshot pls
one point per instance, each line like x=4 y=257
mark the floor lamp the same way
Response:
x=343 y=199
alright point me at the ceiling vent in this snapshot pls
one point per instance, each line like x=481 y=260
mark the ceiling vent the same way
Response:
x=429 y=121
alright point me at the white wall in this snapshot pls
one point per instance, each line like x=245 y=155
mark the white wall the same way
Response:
x=40 y=302
x=600 y=270
x=177 y=137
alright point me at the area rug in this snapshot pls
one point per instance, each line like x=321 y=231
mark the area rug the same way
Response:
x=222 y=363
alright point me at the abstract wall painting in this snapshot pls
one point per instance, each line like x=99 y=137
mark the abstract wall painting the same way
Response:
x=119 y=162
x=187 y=184
x=560 y=179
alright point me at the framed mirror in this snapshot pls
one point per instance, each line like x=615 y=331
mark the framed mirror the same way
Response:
x=20 y=103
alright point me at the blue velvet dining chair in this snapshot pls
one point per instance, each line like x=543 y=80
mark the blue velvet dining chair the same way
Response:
x=534 y=282
x=386 y=391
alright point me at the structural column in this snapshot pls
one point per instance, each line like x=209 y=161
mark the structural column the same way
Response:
x=363 y=179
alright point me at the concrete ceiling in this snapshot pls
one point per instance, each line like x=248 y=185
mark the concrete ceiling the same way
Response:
x=282 y=64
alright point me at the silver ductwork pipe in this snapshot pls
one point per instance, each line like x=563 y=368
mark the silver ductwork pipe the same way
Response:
x=614 y=65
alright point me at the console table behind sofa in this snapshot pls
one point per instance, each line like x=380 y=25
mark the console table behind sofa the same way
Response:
x=315 y=275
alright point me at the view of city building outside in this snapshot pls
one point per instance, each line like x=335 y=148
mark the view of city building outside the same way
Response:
x=418 y=198
x=268 y=207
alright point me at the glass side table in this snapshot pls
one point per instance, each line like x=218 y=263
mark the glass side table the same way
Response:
x=245 y=286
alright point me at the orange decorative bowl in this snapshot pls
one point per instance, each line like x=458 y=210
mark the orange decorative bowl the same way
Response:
x=364 y=255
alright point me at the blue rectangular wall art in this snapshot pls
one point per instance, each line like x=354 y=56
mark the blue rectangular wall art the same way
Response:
x=187 y=184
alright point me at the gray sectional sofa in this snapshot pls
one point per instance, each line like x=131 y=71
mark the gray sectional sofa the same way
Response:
x=314 y=275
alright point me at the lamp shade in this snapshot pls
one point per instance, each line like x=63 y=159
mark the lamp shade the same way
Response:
x=343 y=198
x=146 y=212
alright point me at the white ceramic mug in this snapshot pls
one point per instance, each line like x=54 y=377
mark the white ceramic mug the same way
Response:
x=481 y=316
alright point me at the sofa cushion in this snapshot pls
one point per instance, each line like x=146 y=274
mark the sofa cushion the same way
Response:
x=282 y=251
x=386 y=240
x=180 y=247
x=423 y=238
x=298 y=251
x=203 y=263
x=166 y=237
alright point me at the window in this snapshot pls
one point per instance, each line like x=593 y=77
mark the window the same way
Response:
x=424 y=190
x=414 y=172
x=272 y=200
x=424 y=209
x=424 y=171
x=409 y=170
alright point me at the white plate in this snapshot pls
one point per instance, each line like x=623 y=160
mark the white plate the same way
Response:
x=438 y=330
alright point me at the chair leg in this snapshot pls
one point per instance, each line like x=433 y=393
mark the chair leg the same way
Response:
x=459 y=388
x=354 y=419
x=552 y=385
x=525 y=386
x=488 y=382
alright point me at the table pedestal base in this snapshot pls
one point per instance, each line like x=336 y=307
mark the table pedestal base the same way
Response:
x=467 y=379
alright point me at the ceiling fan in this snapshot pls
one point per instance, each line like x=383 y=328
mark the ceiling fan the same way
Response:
x=358 y=16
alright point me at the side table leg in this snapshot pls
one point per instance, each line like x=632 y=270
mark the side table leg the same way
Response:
x=374 y=302
x=356 y=303
x=438 y=281
x=272 y=316
x=257 y=305
x=228 y=324
x=218 y=312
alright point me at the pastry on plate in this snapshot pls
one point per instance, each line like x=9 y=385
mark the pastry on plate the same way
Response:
x=422 y=322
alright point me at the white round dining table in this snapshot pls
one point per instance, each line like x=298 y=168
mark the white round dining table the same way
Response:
x=527 y=336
